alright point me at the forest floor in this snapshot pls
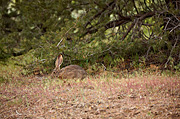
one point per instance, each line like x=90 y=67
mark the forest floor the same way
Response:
x=138 y=97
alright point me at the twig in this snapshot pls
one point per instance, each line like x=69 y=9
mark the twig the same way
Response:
x=175 y=28
x=65 y=34
x=101 y=52
x=104 y=66
x=167 y=24
x=18 y=113
x=60 y=41
x=171 y=51
x=148 y=52
x=129 y=29
x=135 y=25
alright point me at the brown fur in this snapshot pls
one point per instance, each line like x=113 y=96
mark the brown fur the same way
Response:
x=68 y=72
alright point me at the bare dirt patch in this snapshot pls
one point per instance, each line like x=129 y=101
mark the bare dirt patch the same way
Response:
x=95 y=97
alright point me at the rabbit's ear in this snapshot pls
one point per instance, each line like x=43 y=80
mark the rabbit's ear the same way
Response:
x=59 y=61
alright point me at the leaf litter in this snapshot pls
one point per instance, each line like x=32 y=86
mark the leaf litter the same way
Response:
x=149 y=97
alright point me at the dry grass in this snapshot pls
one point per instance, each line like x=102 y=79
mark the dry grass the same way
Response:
x=139 y=97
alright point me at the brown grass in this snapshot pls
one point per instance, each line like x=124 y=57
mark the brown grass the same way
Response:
x=138 y=97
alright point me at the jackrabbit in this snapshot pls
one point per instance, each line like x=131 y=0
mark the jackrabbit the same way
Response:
x=68 y=72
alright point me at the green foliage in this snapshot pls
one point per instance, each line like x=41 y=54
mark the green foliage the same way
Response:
x=3 y=80
x=88 y=32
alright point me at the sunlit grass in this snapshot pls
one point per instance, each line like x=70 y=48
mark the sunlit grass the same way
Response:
x=98 y=92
